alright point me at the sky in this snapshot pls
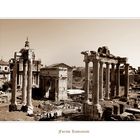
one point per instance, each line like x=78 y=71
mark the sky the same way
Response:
x=63 y=40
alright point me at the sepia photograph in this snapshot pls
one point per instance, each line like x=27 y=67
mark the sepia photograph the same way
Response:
x=69 y=70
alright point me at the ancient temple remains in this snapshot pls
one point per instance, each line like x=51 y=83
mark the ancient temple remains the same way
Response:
x=27 y=56
x=100 y=59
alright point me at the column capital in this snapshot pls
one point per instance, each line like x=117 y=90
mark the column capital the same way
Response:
x=86 y=61
x=96 y=60
x=107 y=63
x=112 y=64
x=118 y=64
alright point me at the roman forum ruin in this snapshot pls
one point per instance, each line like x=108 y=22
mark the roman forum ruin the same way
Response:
x=27 y=56
x=100 y=59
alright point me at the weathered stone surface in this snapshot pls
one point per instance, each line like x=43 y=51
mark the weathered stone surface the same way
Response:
x=12 y=108
x=24 y=108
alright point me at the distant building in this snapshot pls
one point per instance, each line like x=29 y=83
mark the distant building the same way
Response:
x=70 y=72
x=4 y=71
x=53 y=83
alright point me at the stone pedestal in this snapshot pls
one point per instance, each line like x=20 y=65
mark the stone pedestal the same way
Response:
x=97 y=112
x=122 y=108
x=12 y=107
x=115 y=110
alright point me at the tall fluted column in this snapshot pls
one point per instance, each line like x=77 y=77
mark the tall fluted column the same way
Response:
x=107 y=88
x=13 y=105
x=113 y=81
x=97 y=110
x=29 y=85
x=126 y=89
x=24 y=83
x=117 y=79
x=101 y=81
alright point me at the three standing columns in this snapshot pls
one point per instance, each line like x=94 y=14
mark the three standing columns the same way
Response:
x=26 y=86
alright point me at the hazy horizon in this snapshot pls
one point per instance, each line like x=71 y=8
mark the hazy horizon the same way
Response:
x=62 y=40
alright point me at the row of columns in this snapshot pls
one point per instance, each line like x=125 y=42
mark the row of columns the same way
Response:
x=26 y=86
x=111 y=82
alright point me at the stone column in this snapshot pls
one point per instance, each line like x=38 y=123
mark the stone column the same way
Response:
x=107 y=88
x=101 y=82
x=38 y=79
x=97 y=110
x=13 y=105
x=113 y=81
x=87 y=74
x=56 y=90
x=126 y=88
x=29 y=85
x=117 y=79
x=86 y=99
x=24 y=83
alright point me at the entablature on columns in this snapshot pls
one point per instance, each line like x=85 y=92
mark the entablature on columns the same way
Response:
x=104 y=56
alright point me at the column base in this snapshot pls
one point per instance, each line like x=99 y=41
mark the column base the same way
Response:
x=97 y=112
x=107 y=98
x=30 y=110
x=24 y=108
x=101 y=100
x=12 y=107
x=86 y=105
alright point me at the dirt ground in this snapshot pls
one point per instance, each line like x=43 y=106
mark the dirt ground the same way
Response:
x=5 y=115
